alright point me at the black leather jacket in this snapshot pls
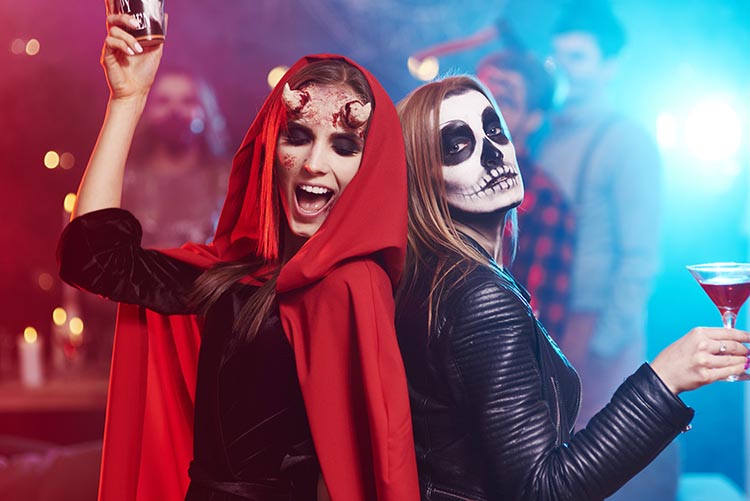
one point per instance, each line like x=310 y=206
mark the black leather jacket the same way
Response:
x=493 y=401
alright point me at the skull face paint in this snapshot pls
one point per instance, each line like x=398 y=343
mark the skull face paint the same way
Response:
x=318 y=153
x=479 y=162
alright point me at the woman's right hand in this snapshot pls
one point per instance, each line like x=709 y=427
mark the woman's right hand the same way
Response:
x=130 y=71
x=130 y=68
x=702 y=356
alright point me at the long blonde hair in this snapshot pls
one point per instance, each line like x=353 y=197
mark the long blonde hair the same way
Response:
x=433 y=240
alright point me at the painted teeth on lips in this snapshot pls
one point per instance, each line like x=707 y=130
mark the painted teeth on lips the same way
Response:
x=503 y=184
x=495 y=174
x=504 y=176
x=502 y=171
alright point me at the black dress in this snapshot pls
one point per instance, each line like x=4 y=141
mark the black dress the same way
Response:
x=252 y=437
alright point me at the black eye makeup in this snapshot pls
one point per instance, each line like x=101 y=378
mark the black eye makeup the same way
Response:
x=493 y=127
x=296 y=134
x=346 y=145
x=457 y=141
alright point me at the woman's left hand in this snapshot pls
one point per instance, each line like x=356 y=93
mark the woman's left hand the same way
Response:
x=702 y=356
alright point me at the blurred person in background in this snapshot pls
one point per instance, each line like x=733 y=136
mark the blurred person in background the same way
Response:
x=176 y=174
x=524 y=91
x=175 y=181
x=609 y=169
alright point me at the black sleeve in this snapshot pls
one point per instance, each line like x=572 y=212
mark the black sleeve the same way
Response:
x=492 y=343
x=101 y=252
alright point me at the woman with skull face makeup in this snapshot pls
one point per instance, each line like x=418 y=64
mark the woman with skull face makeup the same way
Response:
x=493 y=399
x=271 y=351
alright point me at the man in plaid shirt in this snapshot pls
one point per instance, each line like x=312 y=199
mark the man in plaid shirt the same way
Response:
x=524 y=90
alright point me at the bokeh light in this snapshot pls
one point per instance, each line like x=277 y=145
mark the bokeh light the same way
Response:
x=51 y=159
x=18 y=46
x=76 y=325
x=30 y=335
x=275 y=75
x=69 y=203
x=59 y=316
x=425 y=69
x=666 y=131
x=32 y=47
x=713 y=130
x=45 y=281
x=67 y=161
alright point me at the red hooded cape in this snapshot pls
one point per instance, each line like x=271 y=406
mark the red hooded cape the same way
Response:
x=336 y=307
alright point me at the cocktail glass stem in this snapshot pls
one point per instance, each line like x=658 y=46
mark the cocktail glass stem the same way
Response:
x=729 y=318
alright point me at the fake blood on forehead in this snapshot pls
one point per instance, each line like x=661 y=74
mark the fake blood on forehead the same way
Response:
x=319 y=102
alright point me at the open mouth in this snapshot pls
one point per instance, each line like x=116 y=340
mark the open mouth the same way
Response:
x=312 y=200
x=498 y=179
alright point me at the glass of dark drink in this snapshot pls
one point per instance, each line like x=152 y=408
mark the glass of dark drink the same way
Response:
x=728 y=286
x=150 y=17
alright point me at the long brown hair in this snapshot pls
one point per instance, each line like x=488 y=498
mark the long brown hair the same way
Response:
x=216 y=281
x=433 y=240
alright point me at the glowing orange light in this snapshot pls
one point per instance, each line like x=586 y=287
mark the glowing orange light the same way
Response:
x=32 y=47
x=59 y=316
x=30 y=335
x=76 y=326
x=275 y=75
x=51 y=159
x=69 y=203
x=67 y=161
x=45 y=281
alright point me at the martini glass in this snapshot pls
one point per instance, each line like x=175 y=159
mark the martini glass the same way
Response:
x=728 y=286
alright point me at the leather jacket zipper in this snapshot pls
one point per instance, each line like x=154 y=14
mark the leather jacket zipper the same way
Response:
x=558 y=416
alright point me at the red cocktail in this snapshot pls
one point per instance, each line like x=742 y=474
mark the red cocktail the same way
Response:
x=728 y=286
x=728 y=297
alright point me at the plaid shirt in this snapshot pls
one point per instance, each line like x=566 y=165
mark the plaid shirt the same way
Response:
x=546 y=233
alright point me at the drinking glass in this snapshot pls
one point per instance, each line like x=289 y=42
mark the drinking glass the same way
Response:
x=728 y=286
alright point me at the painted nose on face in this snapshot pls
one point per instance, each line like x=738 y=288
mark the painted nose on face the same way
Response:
x=491 y=157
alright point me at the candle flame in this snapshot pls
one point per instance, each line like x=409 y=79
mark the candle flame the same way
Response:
x=30 y=335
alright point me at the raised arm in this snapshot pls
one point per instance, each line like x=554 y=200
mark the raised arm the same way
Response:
x=130 y=71
x=102 y=252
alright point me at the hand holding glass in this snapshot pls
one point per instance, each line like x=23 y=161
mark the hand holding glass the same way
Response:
x=728 y=286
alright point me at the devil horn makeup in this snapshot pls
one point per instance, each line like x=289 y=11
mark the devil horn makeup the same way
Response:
x=294 y=100
x=355 y=114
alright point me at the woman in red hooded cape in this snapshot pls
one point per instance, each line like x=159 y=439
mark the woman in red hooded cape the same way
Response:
x=335 y=309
